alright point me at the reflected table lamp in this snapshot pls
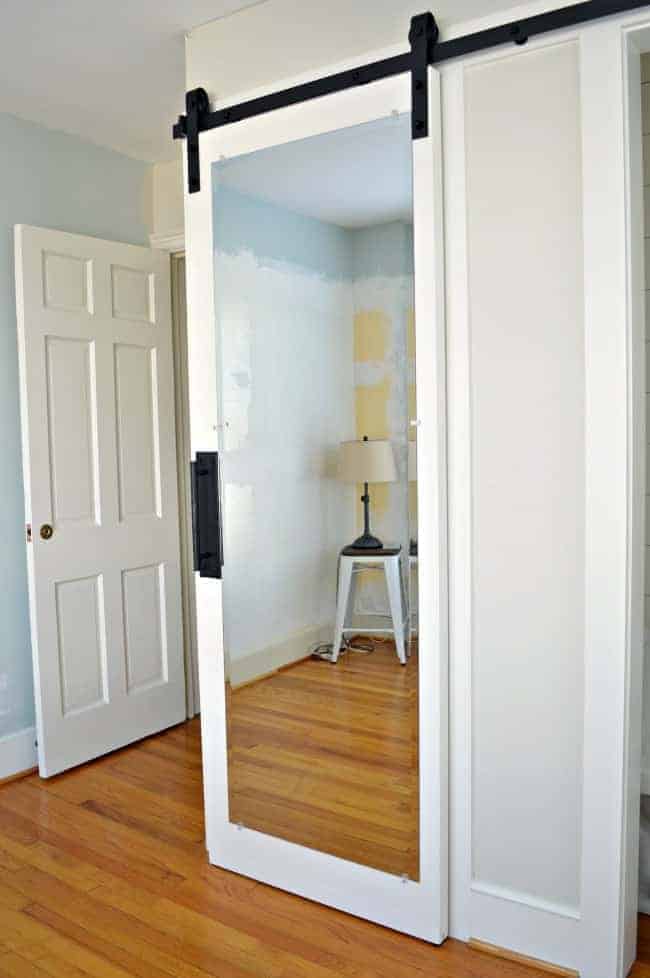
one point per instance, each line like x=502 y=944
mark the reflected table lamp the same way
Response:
x=367 y=461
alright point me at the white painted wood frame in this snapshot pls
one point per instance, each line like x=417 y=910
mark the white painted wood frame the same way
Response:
x=181 y=413
x=599 y=938
x=415 y=908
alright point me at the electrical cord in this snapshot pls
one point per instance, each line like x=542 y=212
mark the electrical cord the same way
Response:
x=324 y=650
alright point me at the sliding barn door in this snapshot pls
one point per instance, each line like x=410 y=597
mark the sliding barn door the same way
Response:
x=101 y=504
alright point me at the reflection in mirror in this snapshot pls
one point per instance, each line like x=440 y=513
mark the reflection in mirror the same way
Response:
x=316 y=347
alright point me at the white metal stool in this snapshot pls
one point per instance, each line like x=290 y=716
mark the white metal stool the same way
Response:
x=390 y=559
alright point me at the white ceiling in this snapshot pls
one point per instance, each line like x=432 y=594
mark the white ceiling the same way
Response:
x=112 y=71
x=354 y=177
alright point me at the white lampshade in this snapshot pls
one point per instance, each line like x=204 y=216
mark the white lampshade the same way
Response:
x=413 y=462
x=367 y=461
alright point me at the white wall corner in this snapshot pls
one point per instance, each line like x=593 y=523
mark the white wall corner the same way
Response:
x=167 y=206
x=18 y=752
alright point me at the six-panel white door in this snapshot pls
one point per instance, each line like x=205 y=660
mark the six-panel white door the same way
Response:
x=97 y=406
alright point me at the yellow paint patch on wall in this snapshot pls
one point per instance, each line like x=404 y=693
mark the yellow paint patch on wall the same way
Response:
x=379 y=499
x=370 y=410
x=410 y=334
x=412 y=410
x=379 y=493
x=371 y=329
x=413 y=505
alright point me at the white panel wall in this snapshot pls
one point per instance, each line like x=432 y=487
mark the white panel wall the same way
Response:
x=524 y=209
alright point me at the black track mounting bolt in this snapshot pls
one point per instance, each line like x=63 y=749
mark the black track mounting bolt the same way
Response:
x=197 y=105
x=423 y=36
x=518 y=35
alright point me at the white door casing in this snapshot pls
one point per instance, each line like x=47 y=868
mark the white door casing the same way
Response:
x=97 y=409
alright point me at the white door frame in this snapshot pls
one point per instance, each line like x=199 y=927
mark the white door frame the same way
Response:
x=174 y=244
x=182 y=414
x=599 y=939
x=418 y=908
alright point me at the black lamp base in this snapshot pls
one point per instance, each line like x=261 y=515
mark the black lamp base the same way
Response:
x=367 y=542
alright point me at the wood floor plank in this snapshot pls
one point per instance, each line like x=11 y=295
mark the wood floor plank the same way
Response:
x=309 y=748
x=93 y=829
x=103 y=873
x=14 y=966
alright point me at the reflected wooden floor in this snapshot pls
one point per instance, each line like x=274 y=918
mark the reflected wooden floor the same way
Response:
x=642 y=967
x=104 y=874
x=326 y=756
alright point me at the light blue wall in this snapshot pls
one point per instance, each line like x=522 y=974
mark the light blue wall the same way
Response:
x=275 y=234
x=385 y=249
x=57 y=181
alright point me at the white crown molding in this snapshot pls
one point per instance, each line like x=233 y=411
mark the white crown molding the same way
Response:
x=172 y=241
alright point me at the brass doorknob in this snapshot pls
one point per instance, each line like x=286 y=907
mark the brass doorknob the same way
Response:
x=46 y=531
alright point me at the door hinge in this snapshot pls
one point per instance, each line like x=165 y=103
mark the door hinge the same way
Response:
x=28 y=531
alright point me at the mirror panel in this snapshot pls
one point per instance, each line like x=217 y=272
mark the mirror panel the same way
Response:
x=316 y=368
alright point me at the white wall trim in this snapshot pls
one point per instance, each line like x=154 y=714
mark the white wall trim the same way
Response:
x=633 y=42
x=182 y=424
x=583 y=938
x=645 y=780
x=459 y=474
x=527 y=899
x=497 y=918
x=172 y=241
x=18 y=752
x=264 y=661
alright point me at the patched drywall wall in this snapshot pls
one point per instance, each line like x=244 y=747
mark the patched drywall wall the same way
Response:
x=384 y=383
x=56 y=181
x=285 y=342
x=313 y=324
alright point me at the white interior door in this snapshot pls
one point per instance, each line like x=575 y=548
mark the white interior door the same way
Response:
x=97 y=404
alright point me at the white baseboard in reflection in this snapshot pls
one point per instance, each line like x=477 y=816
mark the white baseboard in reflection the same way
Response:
x=265 y=661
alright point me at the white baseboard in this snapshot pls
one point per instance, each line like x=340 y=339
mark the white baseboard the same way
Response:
x=265 y=661
x=525 y=924
x=17 y=752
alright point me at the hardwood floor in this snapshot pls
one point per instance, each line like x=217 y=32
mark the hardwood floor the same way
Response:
x=103 y=873
x=326 y=756
x=642 y=967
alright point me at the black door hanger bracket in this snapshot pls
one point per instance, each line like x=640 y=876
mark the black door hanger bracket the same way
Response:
x=206 y=515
